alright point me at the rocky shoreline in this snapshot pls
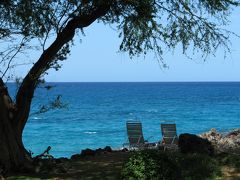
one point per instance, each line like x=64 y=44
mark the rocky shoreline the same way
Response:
x=49 y=165
x=223 y=142
x=227 y=142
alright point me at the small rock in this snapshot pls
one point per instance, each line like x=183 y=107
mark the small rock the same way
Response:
x=99 y=151
x=61 y=160
x=108 y=149
x=233 y=133
x=124 y=150
x=76 y=157
x=88 y=152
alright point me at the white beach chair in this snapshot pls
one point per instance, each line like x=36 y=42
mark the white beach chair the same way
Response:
x=169 y=136
x=135 y=135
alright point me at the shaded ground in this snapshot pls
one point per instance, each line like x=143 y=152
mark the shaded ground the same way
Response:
x=105 y=166
x=230 y=173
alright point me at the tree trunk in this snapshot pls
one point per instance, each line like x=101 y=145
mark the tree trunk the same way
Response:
x=12 y=152
x=13 y=117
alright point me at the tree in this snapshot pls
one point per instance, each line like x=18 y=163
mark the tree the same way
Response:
x=49 y=26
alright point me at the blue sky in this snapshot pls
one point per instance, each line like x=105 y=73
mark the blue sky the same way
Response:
x=96 y=59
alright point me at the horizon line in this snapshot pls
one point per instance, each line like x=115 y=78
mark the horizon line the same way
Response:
x=138 y=82
x=142 y=81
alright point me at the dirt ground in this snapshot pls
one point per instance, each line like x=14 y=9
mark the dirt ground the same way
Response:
x=104 y=166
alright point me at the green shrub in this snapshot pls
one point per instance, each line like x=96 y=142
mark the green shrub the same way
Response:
x=154 y=164
x=232 y=160
x=199 y=166
x=167 y=166
x=139 y=166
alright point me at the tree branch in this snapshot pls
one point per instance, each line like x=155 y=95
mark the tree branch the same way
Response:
x=26 y=90
x=13 y=56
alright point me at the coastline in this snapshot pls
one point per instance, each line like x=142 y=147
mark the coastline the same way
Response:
x=103 y=108
x=105 y=162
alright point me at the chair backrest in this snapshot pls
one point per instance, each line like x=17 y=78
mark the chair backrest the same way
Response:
x=134 y=132
x=169 y=133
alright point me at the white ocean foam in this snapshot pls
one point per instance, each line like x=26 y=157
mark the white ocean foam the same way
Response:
x=90 y=132
x=152 y=110
x=37 y=118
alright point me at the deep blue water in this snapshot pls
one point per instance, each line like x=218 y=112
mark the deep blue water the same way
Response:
x=97 y=112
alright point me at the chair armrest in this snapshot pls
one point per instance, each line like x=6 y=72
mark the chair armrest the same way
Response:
x=139 y=138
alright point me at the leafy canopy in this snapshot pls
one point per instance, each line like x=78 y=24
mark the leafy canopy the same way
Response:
x=143 y=26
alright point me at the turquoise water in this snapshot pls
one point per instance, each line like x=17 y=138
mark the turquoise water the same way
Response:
x=97 y=112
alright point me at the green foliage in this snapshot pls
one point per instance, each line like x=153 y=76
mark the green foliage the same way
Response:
x=54 y=104
x=232 y=160
x=161 y=165
x=144 y=25
x=152 y=25
x=140 y=166
x=198 y=166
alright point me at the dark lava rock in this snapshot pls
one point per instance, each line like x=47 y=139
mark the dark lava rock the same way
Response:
x=88 y=152
x=99 y=151
x=190 y=143
x=124 y=150
x=61 y=160
x=108 y=149
x=76 y=157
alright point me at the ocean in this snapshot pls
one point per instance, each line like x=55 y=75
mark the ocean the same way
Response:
x=96 y=113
